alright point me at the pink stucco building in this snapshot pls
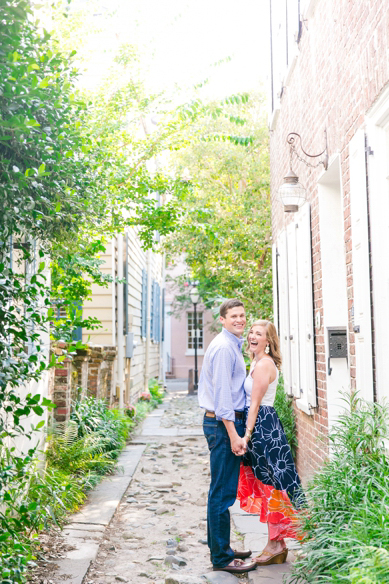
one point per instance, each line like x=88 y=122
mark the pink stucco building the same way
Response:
x=179 y=333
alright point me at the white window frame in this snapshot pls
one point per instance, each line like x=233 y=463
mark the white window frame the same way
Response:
x=190 y=351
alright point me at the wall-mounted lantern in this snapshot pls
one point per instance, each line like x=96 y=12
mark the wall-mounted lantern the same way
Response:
x=292 y=193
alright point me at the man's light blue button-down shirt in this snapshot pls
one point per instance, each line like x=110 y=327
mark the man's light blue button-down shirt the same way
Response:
x=222 y=377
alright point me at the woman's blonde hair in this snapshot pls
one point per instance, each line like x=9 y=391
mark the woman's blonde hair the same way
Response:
x=272 y=337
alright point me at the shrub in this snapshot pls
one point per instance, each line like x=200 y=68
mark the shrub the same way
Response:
x=130 y=410
x=90 y=443
x=156 y=390
x=145 y=396
x=283 y=405
x=349 y=503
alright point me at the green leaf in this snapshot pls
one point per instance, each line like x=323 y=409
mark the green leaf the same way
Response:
x=44 y=83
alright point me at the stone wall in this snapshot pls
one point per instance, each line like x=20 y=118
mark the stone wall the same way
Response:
x=88 y=373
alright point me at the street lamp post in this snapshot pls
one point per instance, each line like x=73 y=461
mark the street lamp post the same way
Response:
x=195 y=297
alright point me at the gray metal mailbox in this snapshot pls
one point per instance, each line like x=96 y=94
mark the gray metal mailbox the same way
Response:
x=130 y=345
x=337 y=345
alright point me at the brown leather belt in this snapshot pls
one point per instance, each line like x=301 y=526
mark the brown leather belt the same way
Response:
x=238 y=415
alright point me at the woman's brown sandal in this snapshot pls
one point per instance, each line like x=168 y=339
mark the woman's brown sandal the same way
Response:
x=279 y=558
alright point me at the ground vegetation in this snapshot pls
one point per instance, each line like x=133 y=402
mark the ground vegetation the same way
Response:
x=283 y=405
x=345 y=527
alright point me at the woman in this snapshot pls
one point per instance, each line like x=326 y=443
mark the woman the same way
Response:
x=268 y=482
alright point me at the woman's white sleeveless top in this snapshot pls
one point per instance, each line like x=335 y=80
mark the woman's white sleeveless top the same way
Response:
x=268 y=398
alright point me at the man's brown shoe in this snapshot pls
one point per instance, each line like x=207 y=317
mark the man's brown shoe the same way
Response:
x=237 y=567
x=242 y=554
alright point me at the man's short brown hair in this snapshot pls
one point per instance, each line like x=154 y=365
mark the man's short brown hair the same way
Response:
x=228 y=304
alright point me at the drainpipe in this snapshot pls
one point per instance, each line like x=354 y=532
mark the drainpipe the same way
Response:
x=120 y=335
x=147 y=348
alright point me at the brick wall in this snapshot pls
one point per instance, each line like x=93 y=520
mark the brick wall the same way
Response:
x=341 y=69
x=90 y=372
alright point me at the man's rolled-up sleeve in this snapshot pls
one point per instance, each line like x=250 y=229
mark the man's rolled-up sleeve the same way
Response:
x=223 y=366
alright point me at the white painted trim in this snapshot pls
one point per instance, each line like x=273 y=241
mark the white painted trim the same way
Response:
x=308 y=8
x=379 y=111
x=191 y=352
x=291 y=68
x=377 y=129
x=304 y=407
x=360 y=267
x=274 y=117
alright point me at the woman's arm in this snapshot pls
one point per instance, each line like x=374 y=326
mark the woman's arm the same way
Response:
x=261 y=379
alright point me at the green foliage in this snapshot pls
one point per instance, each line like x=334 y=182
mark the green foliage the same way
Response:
x=283 y=405
x=79 y=454
x=66 y=185
x=74 y=171
x=90 y=442
x=156 y=390
x=225 y=233
x=346 y=535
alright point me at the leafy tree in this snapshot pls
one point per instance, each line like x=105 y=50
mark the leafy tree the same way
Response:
x=62 y=191
x=225 y=234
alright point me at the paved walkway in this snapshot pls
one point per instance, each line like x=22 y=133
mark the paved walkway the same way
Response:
x=147 y=524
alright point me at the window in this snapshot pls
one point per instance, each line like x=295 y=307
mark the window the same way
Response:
x=285 y=31
x=191 y=331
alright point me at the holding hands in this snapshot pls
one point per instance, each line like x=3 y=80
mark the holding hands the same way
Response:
x=238 y=446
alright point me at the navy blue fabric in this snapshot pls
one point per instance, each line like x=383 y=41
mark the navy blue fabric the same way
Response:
x=222 y=491
x=268 y=454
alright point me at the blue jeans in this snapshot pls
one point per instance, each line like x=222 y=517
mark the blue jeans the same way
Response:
x=222 y=491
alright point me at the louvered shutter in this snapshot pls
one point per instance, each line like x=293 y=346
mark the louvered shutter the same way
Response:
x=305 y=306
x=361 y=272
x=293 y=309
x=158 y=314
x=275 y=286
x=163 y=316
x=152 y=312
x=144 y=304
x=283 y=298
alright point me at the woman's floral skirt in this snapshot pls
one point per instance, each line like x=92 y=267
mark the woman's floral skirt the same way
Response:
x=268 y=483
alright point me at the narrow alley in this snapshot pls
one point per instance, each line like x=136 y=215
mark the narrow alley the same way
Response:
x=147 y=524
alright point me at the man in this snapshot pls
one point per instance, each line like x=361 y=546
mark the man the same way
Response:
x=221 y=394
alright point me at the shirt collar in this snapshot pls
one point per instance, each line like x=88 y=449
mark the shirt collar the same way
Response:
x=238 y=341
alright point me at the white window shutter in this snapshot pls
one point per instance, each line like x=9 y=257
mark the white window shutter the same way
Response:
x=293 y=309
x=275 y=286
x=360 y=261
x=305 y=306
x=283 y=297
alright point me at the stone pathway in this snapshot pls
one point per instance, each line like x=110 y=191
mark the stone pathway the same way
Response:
x=148 y=524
